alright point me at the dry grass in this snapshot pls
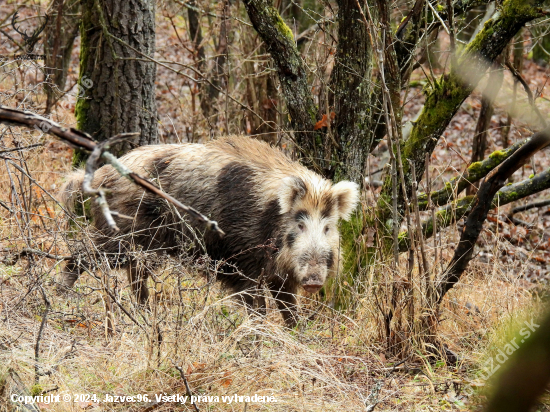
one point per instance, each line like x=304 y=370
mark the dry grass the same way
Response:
x=337 y=361
x=334 y=360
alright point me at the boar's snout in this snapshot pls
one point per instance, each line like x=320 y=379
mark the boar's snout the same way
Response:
x=312 y=283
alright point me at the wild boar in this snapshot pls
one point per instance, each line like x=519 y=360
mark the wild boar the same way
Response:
x=280 y=219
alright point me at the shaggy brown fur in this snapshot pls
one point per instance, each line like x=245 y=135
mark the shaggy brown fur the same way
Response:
x=280 y=218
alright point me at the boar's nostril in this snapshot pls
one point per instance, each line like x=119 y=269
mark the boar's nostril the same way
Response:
x=312 y=280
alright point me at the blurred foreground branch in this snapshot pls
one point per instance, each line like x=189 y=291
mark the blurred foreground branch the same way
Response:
x=526 y=374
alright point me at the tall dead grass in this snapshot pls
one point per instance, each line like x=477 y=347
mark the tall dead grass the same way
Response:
x=96 y=340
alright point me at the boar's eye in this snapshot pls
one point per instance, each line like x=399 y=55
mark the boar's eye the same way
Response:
x=326 y=230
x=301 y=226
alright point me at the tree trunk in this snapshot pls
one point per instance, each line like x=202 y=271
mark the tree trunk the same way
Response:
x=351 y=100
x=117 y=84
x=60 y=34
x=302 y=111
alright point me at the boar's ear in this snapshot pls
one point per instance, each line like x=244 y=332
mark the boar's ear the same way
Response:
x=347 y=196
x=292 y=189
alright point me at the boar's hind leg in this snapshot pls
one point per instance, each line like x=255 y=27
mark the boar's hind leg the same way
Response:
x=137 y=276
x=70 y=273
x=287 y=304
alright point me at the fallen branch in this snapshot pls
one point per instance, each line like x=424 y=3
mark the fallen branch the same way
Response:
x=530 y=206
x=456 y=210
x=80 y=140
x=523 y=208
x=13 y=258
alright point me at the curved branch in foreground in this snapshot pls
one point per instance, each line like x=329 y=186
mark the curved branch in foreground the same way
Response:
x=474 y=172
x=482 y=204
x=80 y=140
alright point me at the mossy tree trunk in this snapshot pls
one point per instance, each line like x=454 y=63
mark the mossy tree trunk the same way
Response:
x=351 y=96
x=117 y=84
x=302 y=111
x=340 y=150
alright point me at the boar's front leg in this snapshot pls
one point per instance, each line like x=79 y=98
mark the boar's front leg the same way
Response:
x=286 y=302
x=254 y=300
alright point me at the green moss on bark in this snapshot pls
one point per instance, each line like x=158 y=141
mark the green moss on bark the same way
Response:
x=447 y=95
x=473 y=173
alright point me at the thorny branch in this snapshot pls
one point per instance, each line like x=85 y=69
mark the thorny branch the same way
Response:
x=81 y=140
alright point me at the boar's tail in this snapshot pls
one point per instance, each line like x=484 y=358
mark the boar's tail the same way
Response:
x=71 y=191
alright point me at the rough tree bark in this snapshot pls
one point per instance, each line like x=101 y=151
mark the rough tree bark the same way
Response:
x=351 y=98
x=117 y=85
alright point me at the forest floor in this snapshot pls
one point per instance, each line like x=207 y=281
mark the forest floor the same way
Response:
x=85 y=342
